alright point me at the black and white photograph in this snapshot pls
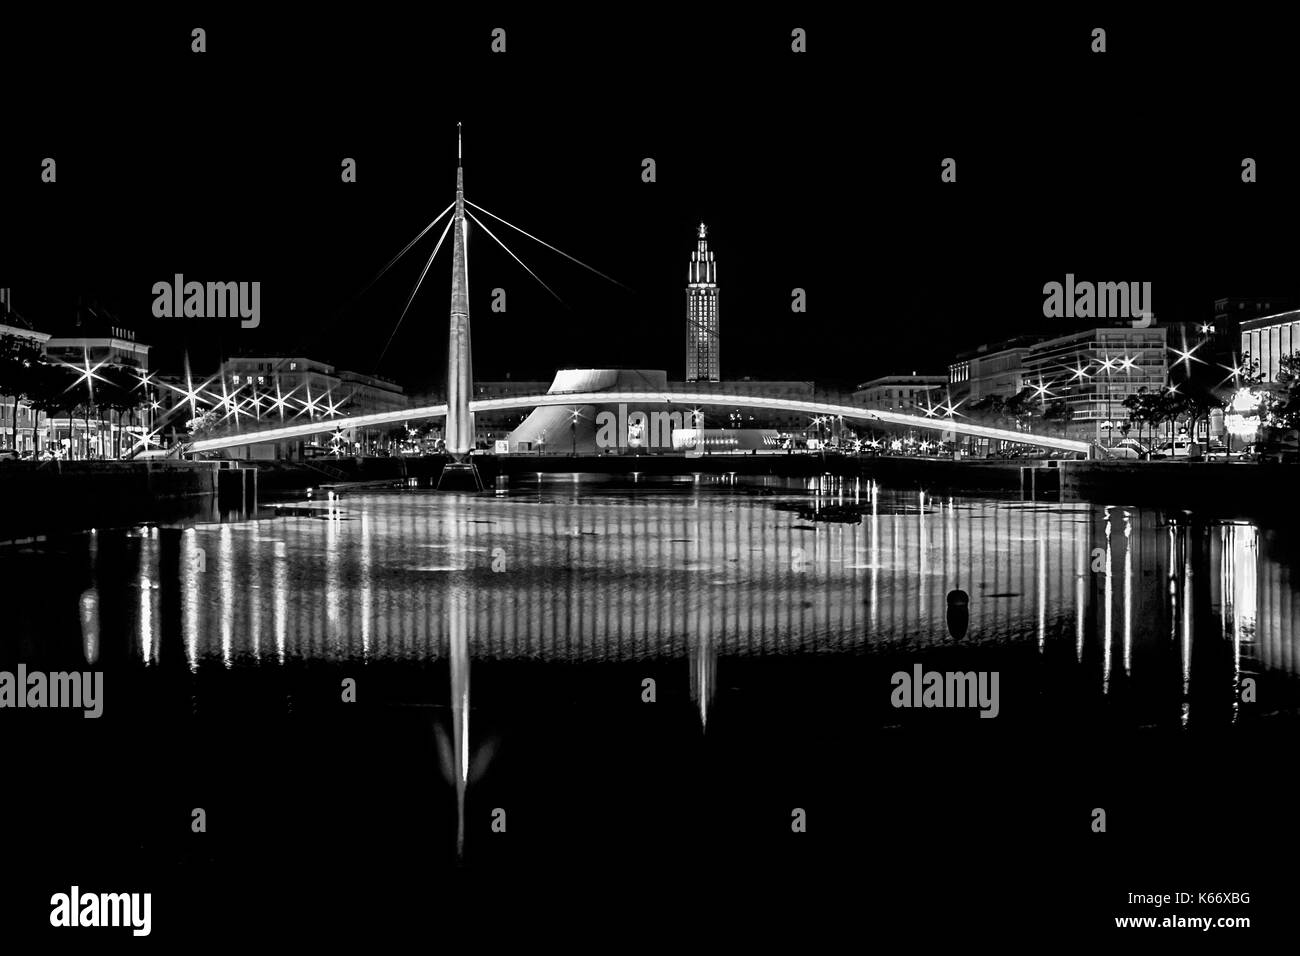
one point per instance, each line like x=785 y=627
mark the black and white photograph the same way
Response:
x=657 y=477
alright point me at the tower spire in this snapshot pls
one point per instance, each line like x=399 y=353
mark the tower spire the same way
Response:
x=460 y=179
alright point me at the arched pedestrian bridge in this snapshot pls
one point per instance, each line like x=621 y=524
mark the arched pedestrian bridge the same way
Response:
x=685 y=398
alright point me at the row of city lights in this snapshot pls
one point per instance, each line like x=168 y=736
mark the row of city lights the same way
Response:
x=1107 y=366
x=233 y=406
x=195 y=397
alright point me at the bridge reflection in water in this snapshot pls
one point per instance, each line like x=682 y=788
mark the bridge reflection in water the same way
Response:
x=575 y=571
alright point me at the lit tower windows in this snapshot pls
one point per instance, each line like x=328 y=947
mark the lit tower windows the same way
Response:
x=702 y=361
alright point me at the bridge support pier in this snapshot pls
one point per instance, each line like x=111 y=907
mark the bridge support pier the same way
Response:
x=460 y=476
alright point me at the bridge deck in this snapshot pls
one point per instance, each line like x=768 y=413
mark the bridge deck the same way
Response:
x=682 y=398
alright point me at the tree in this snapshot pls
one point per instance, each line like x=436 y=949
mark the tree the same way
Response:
x=1283 y=407
x=1169 y=407
x=52 y=391
x=118 y=392
x=1142 y=409
x=205 y=424
x=1196 y=407
x=1026 y=404
x=1058 y=415
x=993 y=410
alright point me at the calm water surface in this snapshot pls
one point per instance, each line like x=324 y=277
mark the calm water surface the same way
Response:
x=501 y=647
x=567 y=570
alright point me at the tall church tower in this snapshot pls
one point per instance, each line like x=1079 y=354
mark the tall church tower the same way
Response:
x=702 y=363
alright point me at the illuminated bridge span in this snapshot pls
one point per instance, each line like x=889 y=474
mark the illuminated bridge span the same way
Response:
x=684 y=398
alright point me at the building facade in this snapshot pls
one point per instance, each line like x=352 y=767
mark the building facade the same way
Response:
x=1093 y=371
x=1268 y=339
x=1223 y=333
x=993 y=369
x=1229 y=313
x=702 y=330
x=105 y=413
x=304 y=384
x=96 y=431
x=117 y=347
x=21 y=432
x=902 y=393
x=267 y=390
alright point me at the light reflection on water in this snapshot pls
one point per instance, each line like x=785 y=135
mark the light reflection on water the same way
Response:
x=590 y=574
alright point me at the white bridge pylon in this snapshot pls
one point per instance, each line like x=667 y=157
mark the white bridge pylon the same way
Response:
x=688 y=401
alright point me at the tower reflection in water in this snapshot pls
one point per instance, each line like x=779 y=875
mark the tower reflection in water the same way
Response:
x=702 y=570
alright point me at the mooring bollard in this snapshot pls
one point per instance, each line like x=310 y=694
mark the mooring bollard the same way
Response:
x=958 y=613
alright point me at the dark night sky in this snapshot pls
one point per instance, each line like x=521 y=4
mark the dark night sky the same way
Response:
x=818 y=172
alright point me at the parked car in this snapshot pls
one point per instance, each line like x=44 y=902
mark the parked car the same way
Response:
x=1132 y=443
x=8 y=454
x=1180 y=447
x=1221 y=451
